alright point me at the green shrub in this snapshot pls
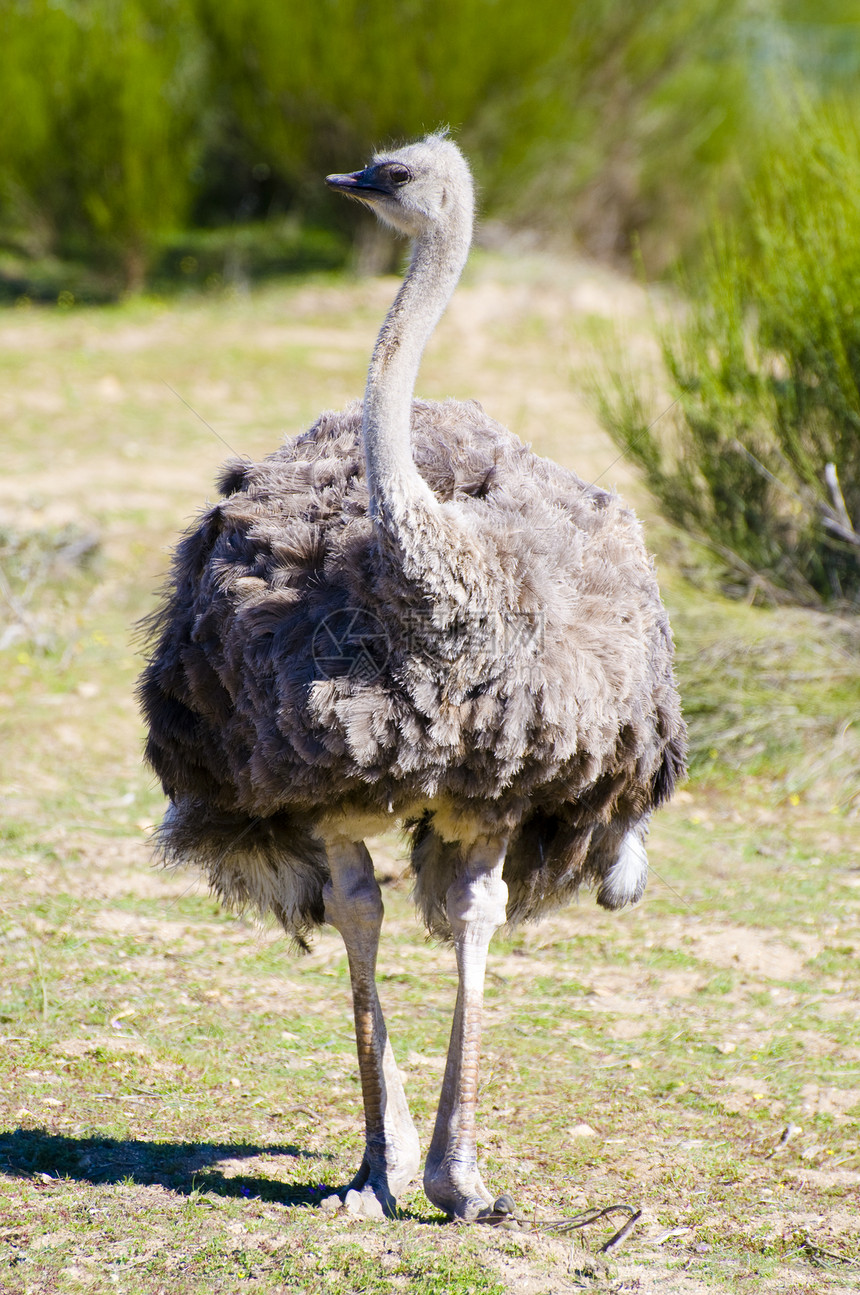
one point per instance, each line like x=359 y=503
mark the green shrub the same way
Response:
x=583 y=120
x=627 y=126
x=124 y=120
x=98 y=101
x=760 y=455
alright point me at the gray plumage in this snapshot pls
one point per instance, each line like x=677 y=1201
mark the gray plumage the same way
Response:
x=405 y=614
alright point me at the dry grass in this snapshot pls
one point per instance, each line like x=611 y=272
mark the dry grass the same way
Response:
x=177 y=1094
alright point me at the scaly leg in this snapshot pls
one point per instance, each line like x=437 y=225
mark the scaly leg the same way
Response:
x=353 y=905
x=476 y=909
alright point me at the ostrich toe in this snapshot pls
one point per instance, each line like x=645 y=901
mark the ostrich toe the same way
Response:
x=387 y=1176
x=458 y=1191
x=463 y=1196
x=364 y=1204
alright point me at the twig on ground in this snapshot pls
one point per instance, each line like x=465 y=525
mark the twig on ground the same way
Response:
x=817 y=1253
x=622 y=1234
x=667 y=1235
x=585 y=1219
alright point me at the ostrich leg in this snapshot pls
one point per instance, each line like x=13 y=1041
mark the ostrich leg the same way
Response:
x=476 y=908
x=353 y=905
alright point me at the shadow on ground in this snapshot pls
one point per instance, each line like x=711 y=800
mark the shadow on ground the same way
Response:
x=180 y=1166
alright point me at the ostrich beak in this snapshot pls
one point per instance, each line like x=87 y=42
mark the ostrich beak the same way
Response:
x=358 y=184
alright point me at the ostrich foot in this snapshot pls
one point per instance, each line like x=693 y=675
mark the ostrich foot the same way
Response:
x=373 y=1193
x=462 y=1195
x=364 y=1205
x=389 y=1177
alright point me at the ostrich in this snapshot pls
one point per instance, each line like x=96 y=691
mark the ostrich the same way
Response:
x=406 y=616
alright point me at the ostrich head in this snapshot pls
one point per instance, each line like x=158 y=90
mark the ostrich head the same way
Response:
x=416 y=189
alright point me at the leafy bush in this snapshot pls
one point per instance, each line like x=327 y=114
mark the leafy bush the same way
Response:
x=760 y=454
x=98 y=100
x=126 y=121
x=584 y=120
x=627 y=126
x=123 y=120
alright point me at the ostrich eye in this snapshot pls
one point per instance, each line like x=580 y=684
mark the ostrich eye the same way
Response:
x=399 y=174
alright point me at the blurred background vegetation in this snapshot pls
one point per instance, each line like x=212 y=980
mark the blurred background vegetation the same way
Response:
x=156 y=144
x=150 y=141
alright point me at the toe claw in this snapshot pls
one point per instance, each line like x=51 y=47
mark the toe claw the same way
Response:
x=501 y=1214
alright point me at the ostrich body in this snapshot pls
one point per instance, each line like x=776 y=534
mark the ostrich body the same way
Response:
x=406 y=615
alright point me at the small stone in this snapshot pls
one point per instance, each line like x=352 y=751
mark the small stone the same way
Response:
x=581 y=1131
x=330 y=1204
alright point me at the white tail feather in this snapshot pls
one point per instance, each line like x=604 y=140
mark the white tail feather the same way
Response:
x=625 y=881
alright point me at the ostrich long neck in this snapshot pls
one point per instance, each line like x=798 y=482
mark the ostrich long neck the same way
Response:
x=396 y=487
x=445 y=560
